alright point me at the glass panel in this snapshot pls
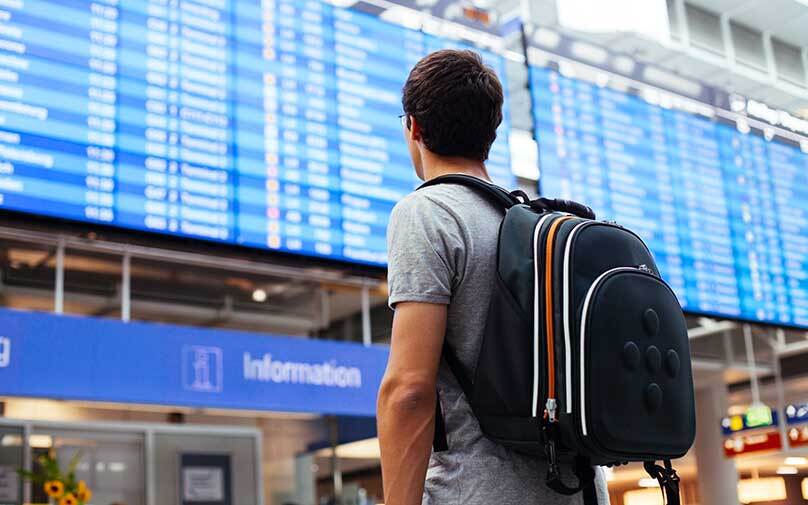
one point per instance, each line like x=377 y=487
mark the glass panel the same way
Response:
x=11 y=459
x=111 y=463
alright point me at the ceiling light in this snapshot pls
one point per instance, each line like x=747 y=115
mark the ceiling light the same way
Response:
x=547 y=38
x=117 y=466
x=11 y=441
x=787 y=470
x=623 y=64
x=40 y=441
x=259 y=295
x=360 y=449
x=648 y=482
x=643 y=497
x=589 y=52
x=758 y=490
x=796 y=461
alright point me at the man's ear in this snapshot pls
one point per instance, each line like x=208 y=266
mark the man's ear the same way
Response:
x=415 y=129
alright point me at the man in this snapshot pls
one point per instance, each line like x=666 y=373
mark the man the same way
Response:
x=442 y=250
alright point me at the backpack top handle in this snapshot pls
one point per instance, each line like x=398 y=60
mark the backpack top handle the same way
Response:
x=502 y=198
x=560 y=205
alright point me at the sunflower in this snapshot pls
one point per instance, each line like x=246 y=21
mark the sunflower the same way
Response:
x=54 y=488
x=83 y=493
x=68 y=499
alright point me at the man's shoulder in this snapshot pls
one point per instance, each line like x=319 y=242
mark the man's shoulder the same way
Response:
x=453 y=199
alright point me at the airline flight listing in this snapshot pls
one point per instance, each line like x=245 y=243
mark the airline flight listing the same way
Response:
x=267 y=123
x=724 y=212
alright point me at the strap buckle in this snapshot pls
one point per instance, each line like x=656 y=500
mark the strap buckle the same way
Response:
x=582 y=469
x=668 y=480
x=553 y=472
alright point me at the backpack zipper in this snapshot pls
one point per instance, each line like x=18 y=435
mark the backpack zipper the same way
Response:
x=565 y=298
x=551 y=404
x=536 y=313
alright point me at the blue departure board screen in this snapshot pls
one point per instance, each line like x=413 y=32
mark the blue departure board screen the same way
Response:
x=725 y=213
x=267 y=123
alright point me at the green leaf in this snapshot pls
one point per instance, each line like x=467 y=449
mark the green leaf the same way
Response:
x=31 y=476
x=74 y=462
x=50 y=467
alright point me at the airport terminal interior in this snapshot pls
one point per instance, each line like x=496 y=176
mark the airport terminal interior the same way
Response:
x=194 y=197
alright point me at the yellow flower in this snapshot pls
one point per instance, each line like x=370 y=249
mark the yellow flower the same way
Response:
x=68 y=499
x=84 y=494
x=54 y=489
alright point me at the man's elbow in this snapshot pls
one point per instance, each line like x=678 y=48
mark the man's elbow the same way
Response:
x=406 y=396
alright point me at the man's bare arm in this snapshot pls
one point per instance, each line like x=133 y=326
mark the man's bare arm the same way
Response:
x=406 y=403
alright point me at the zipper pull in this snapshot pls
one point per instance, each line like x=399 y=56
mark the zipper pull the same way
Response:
x=644 y=268
x=551 y=407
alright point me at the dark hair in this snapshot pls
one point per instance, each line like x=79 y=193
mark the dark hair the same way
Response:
x=457 y=101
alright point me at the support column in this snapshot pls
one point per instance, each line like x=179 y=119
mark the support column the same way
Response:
x=336 y=470
x=367 y=336
x=305 y=479
x=59 y=288
x=126 y=287
x=717 y=475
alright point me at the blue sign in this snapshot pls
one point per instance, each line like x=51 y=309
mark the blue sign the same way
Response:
x=797 y=413
x=724 y=212
x=78 y=358
x=265 y=124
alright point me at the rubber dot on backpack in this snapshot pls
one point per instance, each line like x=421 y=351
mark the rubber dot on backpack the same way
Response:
x=653 y=397
x=653 y=359
x=631 y=356
x=650 y=321
x=672 y=363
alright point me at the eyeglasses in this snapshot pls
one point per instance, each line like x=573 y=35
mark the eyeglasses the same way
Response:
x=404 y=119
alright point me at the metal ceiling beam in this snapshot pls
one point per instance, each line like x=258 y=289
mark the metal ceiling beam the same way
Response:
x=792 y=349
x=709 y=365
x=193 y=315
x=189 y=258
x=711 y=329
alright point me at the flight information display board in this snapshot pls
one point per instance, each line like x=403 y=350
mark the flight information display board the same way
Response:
x=267 y=123
x=725 y=213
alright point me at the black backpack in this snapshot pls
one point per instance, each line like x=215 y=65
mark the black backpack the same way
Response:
x=585 y=356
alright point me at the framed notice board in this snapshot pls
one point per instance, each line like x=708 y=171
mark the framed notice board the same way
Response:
x=205 y=479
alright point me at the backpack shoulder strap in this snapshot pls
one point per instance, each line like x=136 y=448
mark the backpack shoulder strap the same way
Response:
x=440 y=441
x=495 y=194
x=504 y=199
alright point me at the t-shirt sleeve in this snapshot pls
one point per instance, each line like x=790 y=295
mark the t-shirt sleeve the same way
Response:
x=426 y=252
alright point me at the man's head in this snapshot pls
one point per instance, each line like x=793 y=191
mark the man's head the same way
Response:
x=453 y=106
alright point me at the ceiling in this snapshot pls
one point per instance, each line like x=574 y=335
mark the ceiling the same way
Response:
x=785 y=19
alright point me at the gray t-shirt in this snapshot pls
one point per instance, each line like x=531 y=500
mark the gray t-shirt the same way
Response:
x=442 y=249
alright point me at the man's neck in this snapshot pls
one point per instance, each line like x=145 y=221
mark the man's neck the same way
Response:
x=437 y=166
